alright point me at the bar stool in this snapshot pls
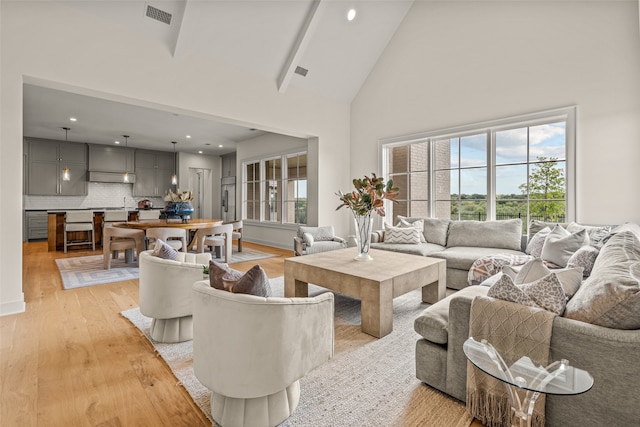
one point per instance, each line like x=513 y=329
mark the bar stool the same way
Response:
x=75 y=221
x=148 y=214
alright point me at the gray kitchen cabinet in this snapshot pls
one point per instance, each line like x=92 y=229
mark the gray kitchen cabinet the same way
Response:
x=107 y=158
x=36 y=224
x=153 y=173
x=45 y=162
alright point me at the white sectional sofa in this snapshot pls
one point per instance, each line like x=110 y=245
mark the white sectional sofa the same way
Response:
x=459 y=242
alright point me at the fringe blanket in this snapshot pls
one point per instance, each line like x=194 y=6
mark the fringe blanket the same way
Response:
x=512 y=329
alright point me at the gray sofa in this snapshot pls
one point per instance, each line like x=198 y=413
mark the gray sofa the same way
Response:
x=609 y=297
x=460 y=243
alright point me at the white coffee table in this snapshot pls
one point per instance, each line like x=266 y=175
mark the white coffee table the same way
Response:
x=374 y=283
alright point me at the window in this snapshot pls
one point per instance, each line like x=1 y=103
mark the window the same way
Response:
x=511 y=168
x=273 y=193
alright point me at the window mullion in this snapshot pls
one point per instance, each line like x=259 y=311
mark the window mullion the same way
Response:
x=491 y=175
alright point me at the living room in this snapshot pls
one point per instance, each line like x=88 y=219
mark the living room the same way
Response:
x=448 y=64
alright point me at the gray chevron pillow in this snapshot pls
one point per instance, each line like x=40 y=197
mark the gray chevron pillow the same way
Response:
x=407 y=236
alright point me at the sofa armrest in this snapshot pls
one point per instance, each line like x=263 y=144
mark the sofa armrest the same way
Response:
x=339 y=239
x=377 y=236
x=459 y=314
x=298 y=246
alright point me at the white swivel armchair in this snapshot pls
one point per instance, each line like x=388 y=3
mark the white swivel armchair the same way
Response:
x=165 y=293
x=252 y=351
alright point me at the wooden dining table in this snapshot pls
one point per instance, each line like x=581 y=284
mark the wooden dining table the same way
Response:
x=193 y=225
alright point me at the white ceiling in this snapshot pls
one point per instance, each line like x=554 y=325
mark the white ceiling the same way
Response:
x=266 y=37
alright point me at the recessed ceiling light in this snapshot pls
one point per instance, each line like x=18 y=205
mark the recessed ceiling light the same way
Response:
x=73 y=119
x=188 y=136
x=220 y=146
x=351 y=15
x=200 y=152
x=117 y=142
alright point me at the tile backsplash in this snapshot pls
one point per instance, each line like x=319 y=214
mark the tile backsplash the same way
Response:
x=99 y=195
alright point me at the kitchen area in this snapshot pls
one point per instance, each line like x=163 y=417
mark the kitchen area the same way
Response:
x=62 y=175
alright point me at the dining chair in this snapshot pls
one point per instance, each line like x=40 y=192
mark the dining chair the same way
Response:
x=174 y=237
x=237 y=232
x=76 y=221
x=219 y=236
x=115 y=239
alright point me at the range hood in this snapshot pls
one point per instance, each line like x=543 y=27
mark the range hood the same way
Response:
x=110 y=177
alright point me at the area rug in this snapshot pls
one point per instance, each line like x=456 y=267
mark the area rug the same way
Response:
x=88 y=270
x=369 y=382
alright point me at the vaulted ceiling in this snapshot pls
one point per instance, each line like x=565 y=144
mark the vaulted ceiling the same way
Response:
x=270 y=38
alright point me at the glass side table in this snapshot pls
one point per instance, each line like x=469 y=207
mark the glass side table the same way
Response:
x=520 y=372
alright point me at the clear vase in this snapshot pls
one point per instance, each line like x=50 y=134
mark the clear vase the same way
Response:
x=364 y=224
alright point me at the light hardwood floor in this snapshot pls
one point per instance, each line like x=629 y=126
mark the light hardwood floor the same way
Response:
x=72 y=360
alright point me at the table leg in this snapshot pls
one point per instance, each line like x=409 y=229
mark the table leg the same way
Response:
x=377 y=308
x=295 y=288
x=434 y=292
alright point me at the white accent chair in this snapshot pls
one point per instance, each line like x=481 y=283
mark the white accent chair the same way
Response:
x=165 y=293
x=115 y=239
x=75 y=221
x=146 y=214
x=313 y=240
x=252 y=351
x=174 y=237
x=220 y=236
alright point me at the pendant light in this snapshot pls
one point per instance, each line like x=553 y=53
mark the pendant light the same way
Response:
x=174 y=177
x=125 y=177
x=66 y=173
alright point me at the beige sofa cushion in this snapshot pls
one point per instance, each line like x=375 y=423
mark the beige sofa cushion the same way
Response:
x=610 y=297
x=486 y=234
x=433 y=322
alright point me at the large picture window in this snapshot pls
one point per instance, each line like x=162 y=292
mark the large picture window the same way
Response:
x=519 y=167
x=275 y=189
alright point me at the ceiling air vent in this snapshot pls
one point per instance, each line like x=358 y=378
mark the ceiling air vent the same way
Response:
x=302 y=71
x=158 y=15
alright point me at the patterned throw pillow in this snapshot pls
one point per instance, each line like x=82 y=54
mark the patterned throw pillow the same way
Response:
x=597 y=235
x=253 y=282
x=561 y=244
x=164 y=251
x=407 y=236
x=570 y=278
x=218 y=273
x=320 y=234
x=584 y=258
x=544 y=293
x=418 y=224
x=534 y=247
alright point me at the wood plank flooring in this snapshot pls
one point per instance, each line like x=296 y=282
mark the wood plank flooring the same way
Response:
x=72 y=360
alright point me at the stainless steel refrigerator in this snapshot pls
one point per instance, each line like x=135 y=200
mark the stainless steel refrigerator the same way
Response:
x=228 y=193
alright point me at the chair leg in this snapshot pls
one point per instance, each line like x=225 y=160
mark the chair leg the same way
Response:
x=128 y=256
x=65 y=241
x=240 y=244
x=93 y=240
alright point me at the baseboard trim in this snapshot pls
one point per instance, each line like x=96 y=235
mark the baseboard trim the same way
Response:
x=13 y=307
x=272 y=244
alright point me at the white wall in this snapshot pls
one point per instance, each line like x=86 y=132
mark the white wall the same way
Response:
x=49 y=44
x=455 y=63
x=260 y=148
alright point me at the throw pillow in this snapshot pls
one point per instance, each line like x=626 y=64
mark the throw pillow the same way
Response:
x=407 y=236
x=308 y=239
x=418 y=224
x=544 y=293
x=597 y=234
x=218 y=273
x=163 y=250
x=560 y=245
x=253 y=282
x=570 y=278
x=534 y=247
x=610 y=297
x=584 y=258
x=320 y=234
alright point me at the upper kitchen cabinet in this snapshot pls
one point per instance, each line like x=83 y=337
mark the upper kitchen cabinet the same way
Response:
x=107 y=158
x=153 y=173
x=46 y=162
